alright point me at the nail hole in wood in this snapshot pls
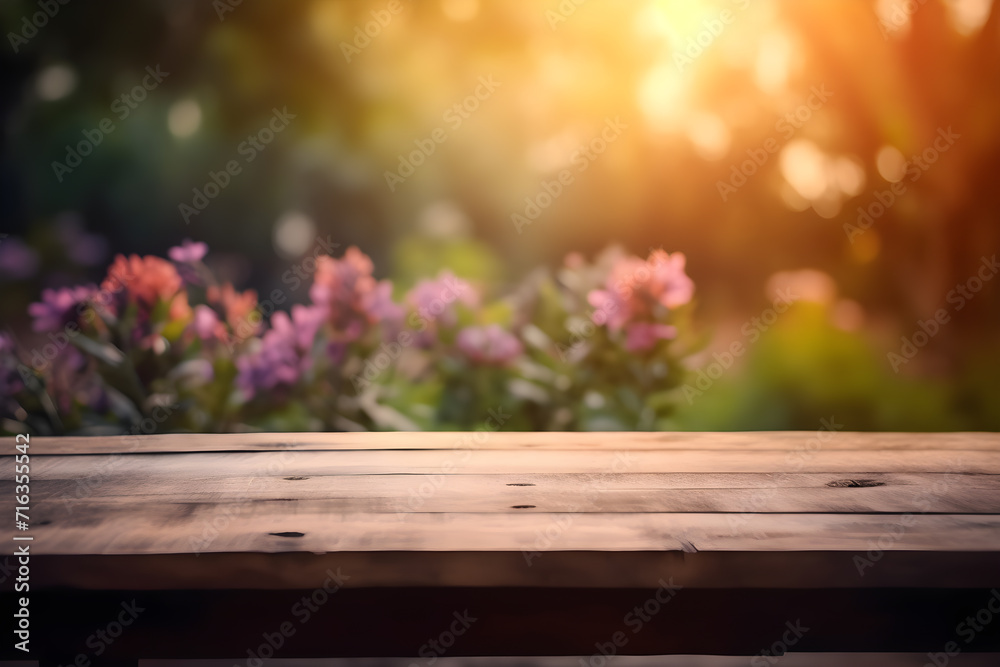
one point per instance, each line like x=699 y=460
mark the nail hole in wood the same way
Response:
x=520 y=484
x=854 y=483
x=290 y=533
x=522 y=507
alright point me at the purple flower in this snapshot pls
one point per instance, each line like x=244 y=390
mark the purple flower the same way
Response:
x=82 y=248
x=58 y=307
x=17 y=260
x=435 y=299
x=304 y=324
x=188 y=252
x=488 y=345
x=89 y=250
x=433 y=303
x=380 y=306
x=71 y=379
x=284 y=352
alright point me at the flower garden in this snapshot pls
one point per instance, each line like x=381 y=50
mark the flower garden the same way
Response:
x=162 y=345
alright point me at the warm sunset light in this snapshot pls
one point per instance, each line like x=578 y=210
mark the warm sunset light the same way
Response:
x=530 y=149
x=500 y=333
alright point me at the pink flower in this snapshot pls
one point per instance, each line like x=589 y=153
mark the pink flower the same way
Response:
x=642 y=336
x=188 y=252
x=59 y=307
x=489 y=345
x=354 y=301
x=637 y=290
x=206 y=324
x=433 y=303
x=670 y=284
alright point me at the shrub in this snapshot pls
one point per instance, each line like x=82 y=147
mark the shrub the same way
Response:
x=593 y=346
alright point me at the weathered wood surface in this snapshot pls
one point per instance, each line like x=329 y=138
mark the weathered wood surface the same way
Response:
x=400 y=494
x=436 y=462
x=570 y=492
x=514 y=491
x=550 y=537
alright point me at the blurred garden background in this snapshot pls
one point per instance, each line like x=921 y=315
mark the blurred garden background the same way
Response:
x=827 y=168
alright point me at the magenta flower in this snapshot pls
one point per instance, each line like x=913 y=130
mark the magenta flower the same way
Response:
x=284 y=353
x=642 y=336
x=188 y=252
x=303 y=325
x=489 y=345
x=353 y=300
x=59 y=307
x=638 y=290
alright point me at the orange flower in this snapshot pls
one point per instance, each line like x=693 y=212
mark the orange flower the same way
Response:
x=353 y=299
x=145 y=281
x=179 y=307
x=236 y=305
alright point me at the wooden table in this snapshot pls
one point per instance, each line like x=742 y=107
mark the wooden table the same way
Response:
x=451 y=544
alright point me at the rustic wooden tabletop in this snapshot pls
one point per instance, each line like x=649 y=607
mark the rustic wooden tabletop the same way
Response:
x=550 y=541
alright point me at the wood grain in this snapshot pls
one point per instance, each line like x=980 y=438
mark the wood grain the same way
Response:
x=521 y=492
x=549 y=538
x=647 y=492
x=439 y=462
x=628 y=441
x=274 y=527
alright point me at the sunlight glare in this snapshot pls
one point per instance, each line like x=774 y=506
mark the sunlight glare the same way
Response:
x=968 y=16
x=661 y=96
x=709 y=135
x=774 y=59
x=803 y=165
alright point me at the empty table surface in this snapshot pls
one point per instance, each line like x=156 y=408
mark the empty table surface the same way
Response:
x=523 y=516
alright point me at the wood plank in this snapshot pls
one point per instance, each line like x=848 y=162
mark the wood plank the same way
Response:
x=633 y=441
x=310 y=463
x=653 y=492
x=108 y=529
